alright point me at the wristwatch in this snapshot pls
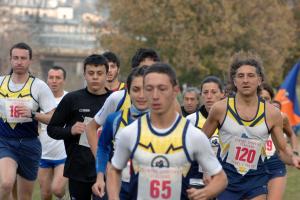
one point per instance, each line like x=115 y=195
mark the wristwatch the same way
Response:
x=33 y=113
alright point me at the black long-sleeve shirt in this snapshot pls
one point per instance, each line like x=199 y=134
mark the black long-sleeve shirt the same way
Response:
x=74 y=107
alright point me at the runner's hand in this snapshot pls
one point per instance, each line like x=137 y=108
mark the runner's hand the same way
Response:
x=78 y=128
x=197 y=194
x=99 y=188
x=23 y=111
x=296 y=161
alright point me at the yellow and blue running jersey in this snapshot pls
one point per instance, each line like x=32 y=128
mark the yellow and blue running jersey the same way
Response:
x=164 y=153
x=171 y=145
x=242 y=142
x=25 y=92
x=27 y=129
x=125 y=102
x=199 y=122
x=124 y=119
x=122 y=86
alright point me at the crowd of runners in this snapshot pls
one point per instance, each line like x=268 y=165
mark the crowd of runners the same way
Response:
x=134 y=140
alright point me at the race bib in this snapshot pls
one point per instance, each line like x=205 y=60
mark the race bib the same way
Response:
x=159 y=183
x=83 y=141
x=270 y=147
x=244 y=154
x=11 y=113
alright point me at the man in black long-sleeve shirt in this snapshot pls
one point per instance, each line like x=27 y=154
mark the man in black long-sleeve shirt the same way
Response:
x=69 y=121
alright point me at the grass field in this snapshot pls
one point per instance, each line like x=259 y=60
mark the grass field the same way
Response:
x=292 y=191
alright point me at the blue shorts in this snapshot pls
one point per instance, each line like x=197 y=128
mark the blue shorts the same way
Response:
x=253 y=192
x=26 y=152
x=276 y=173
x=45 y=163
x=275 y=167
x=244 y=187
x=125 y=191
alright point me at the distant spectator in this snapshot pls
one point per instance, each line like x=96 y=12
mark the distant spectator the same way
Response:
x=190 y=101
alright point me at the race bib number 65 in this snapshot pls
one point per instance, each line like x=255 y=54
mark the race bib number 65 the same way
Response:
x=159 y=183
x=244 y=154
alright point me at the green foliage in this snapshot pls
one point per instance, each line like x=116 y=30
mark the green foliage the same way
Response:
x=294 y=53
x=202 y=34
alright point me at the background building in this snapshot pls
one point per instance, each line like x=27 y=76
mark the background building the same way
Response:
x=61 y=32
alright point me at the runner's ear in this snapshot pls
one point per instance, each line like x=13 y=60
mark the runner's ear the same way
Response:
x=176 y=89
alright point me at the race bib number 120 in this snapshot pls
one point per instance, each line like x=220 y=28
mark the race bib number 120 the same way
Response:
x=244 y=154
x=159 y=183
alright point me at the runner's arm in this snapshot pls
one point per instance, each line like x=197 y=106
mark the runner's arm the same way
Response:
x=217 y=184
x=102 y=156
x=92 y=137
x=281 y=146
x=56 y=128
x=108 y=107
x=99 y=186
x=207 y=160
x=114 y=183
x=119 y=161
x=287 y=129
x=212 y=121
x=44 y=117
x=104 y=148
x=46 y=102
x=24 y=111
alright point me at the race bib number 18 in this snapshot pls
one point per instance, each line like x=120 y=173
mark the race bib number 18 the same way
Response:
x=244 y=154
x=158 y=183
x=12 y=114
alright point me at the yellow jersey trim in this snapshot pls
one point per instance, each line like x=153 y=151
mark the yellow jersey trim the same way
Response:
x=258 y=119
x=25 y=92
x=169 y=143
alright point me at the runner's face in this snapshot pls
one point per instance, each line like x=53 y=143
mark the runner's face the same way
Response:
x=56 y=80
x=20 y=61
x=264 y=94
x=247 y=80
x=190 y=102
x=113 y=72
x=95 y=77
x=160 y=93
x=137 y=94
x=210 y=94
